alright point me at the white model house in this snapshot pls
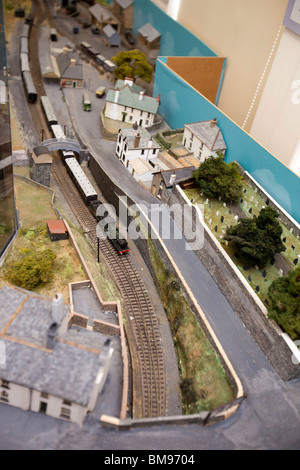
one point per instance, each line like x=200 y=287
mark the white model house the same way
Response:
x=134 y=143
x=45 y=366
x=128 y=103
x=203 y=139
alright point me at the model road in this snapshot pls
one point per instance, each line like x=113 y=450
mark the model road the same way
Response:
x=268 y=419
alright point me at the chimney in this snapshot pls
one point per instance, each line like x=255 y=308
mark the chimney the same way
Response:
x=57 y=308
x=73 y=62
x=213 y=122
x=137 y=140
x=158 y=99
x=128 y=81
x=135 y=126
x=65 y=49
x=172 y=179
x=141 y=95
x=150 y=142
x=117 y=95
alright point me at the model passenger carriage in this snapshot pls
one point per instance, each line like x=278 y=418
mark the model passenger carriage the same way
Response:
x=48 y=111
x=80 y=179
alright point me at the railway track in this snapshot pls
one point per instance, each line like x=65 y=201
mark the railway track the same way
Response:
x=140 y=311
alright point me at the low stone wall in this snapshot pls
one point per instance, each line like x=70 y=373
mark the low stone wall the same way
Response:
x=106 y=328
x=205 y=418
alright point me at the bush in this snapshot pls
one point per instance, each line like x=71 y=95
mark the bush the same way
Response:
x=284 y=305
x=257 y=239
x=31 y=269
x=219 y=179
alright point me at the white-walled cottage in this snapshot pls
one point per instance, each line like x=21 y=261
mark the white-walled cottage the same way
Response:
x=203 y=139
x=128 y=103
x=134 y=143
x=45 y=366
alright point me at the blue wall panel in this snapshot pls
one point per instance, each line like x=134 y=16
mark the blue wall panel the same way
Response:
x=181 y=104
x=175 y=39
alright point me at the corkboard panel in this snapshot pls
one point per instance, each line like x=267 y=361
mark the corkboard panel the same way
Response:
x=202 y=73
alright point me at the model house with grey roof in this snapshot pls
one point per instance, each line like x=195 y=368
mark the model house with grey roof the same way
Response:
x=126 y=104
x=203 y=139
x=136 y=142
x=110 y=36
x=149 y=40
x=46 y=366
x=123 y=10
x=101 y=16
x=70 y=69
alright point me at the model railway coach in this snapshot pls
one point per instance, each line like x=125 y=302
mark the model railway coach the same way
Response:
x=80 y=179
x=48 y=111
x=29 y=87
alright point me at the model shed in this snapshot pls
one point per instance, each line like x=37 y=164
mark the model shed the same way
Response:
x=110 y=36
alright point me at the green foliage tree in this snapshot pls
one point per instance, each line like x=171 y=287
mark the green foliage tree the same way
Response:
x=284 y=306
x=219 y=179
x=31 y=269
x=133 y=64
x=258 y=239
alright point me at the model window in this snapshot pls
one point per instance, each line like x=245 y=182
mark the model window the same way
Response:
x=67 y=402
x=132 y=110
x=141 y=113
x=4 y=383
x=146 y=122
x=154 y=151
x=130 y=118
x=4 y=396
x=192 y=136
x=44 y=395
x=201 y=146
x=148 y=115
x=200 y=153
x=143 y=152
x=65 y=413
x=125 y=148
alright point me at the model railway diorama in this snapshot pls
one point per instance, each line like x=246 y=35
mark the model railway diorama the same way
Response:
x=73 y=167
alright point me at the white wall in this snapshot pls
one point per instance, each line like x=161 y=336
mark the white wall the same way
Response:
x=277 y=121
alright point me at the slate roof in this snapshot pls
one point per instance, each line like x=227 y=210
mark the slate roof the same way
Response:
x=211 y=136
x=182 y=174
x=124 y=3
x=109 y=31
x=102 y=14
x=68 y=371
x=130 y=135
x=67 y=70
x=128 y=98
x=148 y=32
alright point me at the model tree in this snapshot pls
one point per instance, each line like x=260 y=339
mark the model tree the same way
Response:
x=284 y=306
x=258 y=239
x=219 y=179
x=133 y=64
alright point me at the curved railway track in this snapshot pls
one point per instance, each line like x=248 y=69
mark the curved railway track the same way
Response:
x=140 y=311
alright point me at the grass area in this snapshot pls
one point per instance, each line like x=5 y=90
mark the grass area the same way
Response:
x=218 y=216
x=9 y=15
x=204 y=383
x=34 y=206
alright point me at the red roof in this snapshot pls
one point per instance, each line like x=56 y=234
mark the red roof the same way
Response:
x=56 y=226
